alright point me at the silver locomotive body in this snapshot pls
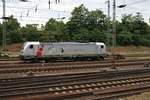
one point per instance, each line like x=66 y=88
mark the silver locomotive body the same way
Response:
x=48 y=51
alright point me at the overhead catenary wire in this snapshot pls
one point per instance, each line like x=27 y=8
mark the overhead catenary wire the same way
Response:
x=33 y=9
x=136 y=2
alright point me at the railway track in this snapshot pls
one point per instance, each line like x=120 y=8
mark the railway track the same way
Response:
x=18 y=65
x=68 y=66
x=9 y=59
x=18 y=61
x=58 y=78
x=89 y=86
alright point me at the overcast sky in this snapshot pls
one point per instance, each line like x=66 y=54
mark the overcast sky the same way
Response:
x=37 y=11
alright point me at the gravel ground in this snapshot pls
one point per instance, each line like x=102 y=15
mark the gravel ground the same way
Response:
x=143 y=96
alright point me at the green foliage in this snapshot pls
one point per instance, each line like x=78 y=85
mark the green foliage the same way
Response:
x=90 y=36
x=12 y=30
x=15 y=37
x=136 y=40
x=82 y=19
x=135 y=24
x=55 y=30
x=30 y=33
x=124 y=38
x=96 y=20
x=78 y=20
x=138 y=29
x=87 y=26
x=12 y=24
x=145 y=40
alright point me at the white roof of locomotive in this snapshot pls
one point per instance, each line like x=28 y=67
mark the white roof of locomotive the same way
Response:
x=32 y=42
x=29 y=43
x=37 y=43
x=97 y=43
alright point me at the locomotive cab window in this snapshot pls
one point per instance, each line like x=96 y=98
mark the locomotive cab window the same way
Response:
x=102 y=46
x=42 y=45
x=31 y=46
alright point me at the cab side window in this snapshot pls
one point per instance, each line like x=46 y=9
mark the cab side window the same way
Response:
x=31 y=46
x=102 y=46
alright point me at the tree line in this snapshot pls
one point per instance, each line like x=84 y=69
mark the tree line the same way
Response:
x=83 y=26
